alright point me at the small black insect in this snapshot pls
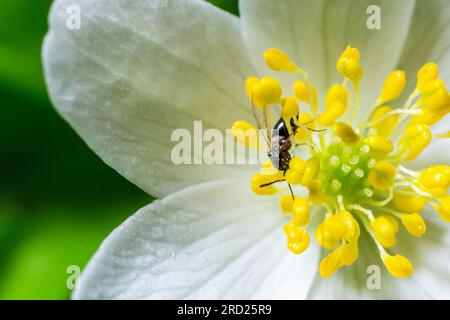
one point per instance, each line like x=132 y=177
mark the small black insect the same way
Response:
x=281 y=144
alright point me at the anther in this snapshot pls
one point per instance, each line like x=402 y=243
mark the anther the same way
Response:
x=277 y=60
x=348 y=64
x=398 y=266
x=393 y=86
x=346 y=133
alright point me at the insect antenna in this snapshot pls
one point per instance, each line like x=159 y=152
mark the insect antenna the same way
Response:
x=258 y=122
x=306 y=144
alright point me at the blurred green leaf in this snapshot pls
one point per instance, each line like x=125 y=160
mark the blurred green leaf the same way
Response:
x=58 y=200
x=231 y=6
x=22 y=28
x=54 y=239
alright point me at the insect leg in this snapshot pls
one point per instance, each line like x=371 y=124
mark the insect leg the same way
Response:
x=271 y=183
x=292 y=192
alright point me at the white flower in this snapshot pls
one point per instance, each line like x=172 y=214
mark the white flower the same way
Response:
x=136 y=70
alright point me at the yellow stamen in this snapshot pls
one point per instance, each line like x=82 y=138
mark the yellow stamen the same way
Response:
x=393 y=86
x=300 y=208
x=435 y=180
x=277 y=60
x=428 y=72
x=355 y=171
x=443 y=208
x=398 y=266
x=379 y=145
x=286 y=203
x=385 y=127
x=382 y=175
x=346 y=133
x=409 y=203
x=414 y=223
x=415 y=140
x=245 y=133
x=385 y=229
x=305 y=92
x=348 y=64
x=435 y=95
x=298 y=239
x=290 y=108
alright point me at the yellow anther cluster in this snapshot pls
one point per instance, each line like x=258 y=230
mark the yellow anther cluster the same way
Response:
x=385 y=127
x=435 y=101
x=298 y=240
x=435 y=180
x=355 y=172
x=302 y=172
x=379 y=146
x=339 y=232
x=415 y=139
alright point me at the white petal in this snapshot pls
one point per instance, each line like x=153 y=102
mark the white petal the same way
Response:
x=136 y=70
x=356 y=281
x=315 y=32
x=210 y=241
x=428 y=39
x=430 y=256
x=438 y=152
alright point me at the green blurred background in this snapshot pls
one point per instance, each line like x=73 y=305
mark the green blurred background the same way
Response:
x=58 y=200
